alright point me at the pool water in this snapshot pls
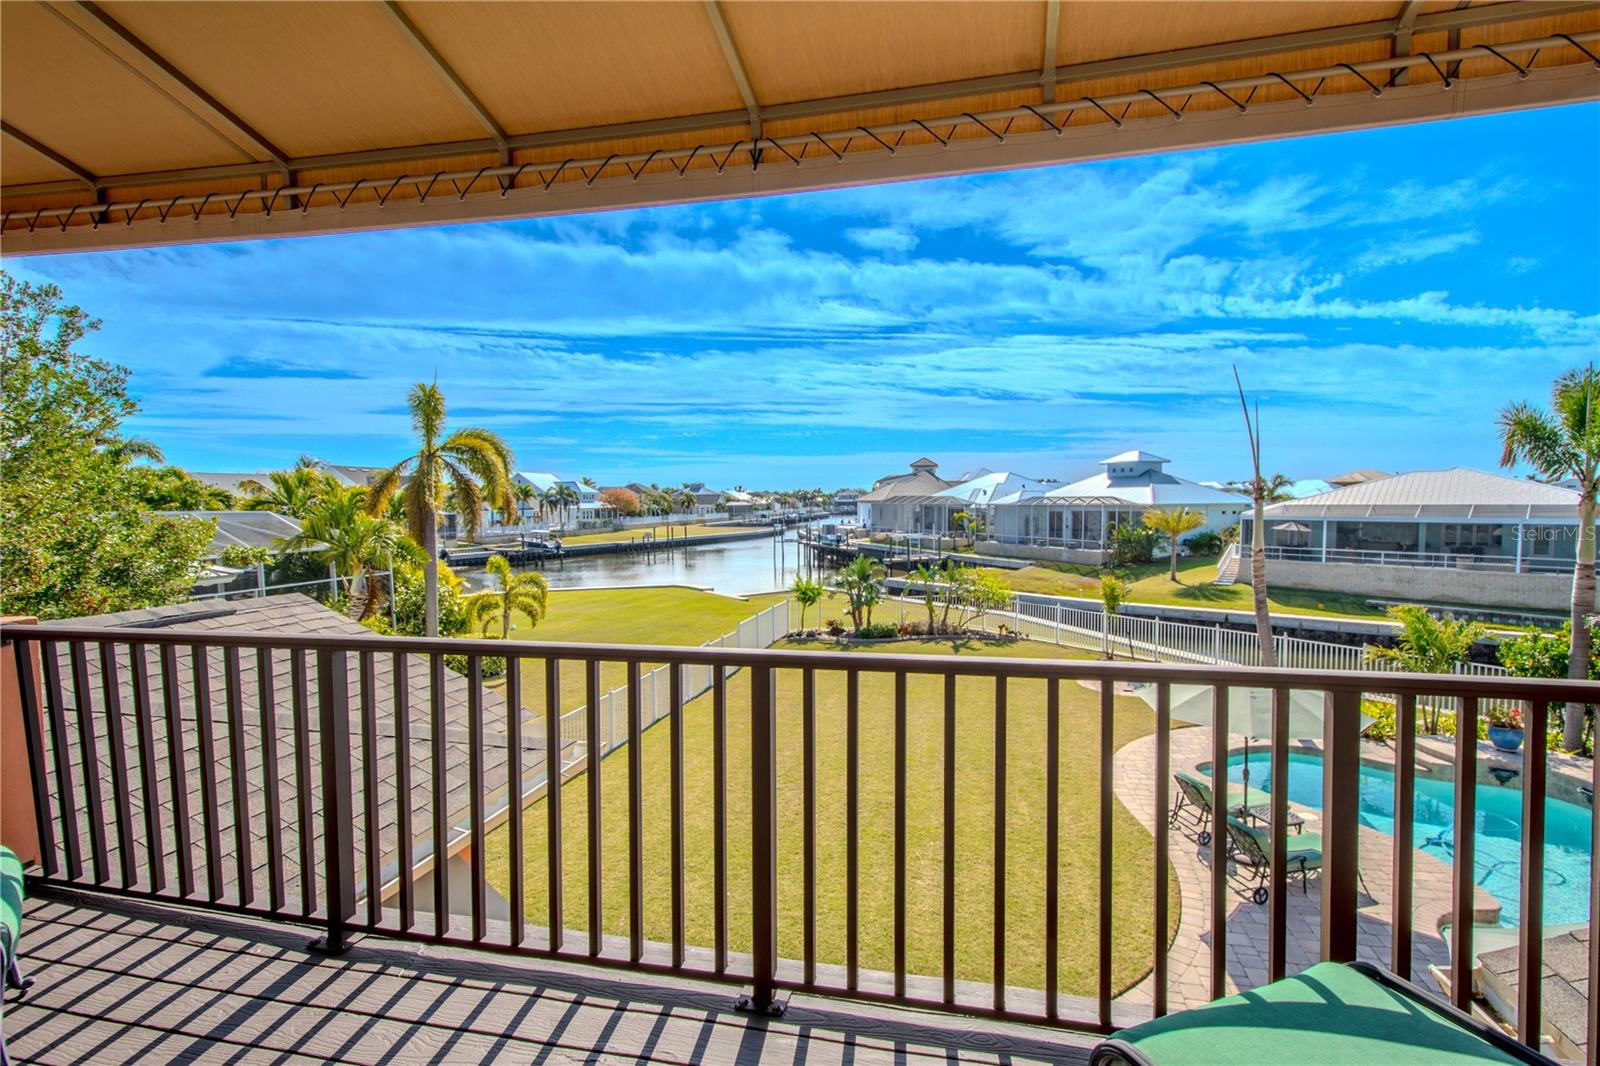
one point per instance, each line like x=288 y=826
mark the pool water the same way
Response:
x=1497 y=855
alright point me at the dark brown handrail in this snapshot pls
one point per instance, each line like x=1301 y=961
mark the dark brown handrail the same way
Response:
x=1483 y=687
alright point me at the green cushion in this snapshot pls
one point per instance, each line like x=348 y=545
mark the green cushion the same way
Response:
x=10 y=903
x=1253 y=797
x=1330 y=1014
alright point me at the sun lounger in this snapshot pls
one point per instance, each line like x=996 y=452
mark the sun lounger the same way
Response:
x=1333 y=1013
x=1194 y=804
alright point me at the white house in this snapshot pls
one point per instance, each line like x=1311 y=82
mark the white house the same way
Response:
x=1074 y=523
x=1455 y=536
x=893 y=503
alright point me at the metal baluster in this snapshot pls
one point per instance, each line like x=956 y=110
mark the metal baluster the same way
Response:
x=205 y=735
x=596 y=917
x=1530 y=935
x=480 y=899
x=900 y=833
x=373 y=843
x=1341 y=820
x=144 y=726
x=269 y=777
x=116 y=741
x=553 y=760
x=949 y=962
x=676 y=804
x=1052 y=845
x=402 y=789
x=1163 y=860
x=1405 y=775
x=88 y=743
x=514 y=794
x=438 y=781
x=178 y=776
x=244 y=864
x=763 y=842
x=338 y=845
x=302 y=779
x=719 y=815
x=635 y=819
x=28 y=697
x=999 y=843
x=1107 y=747
x=852 y=828
x=1278 y=904
x=1463 y=883
x=62 y=751
x=1219 y=841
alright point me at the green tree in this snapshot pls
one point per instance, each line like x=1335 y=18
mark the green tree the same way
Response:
x=473 y=463
x=1564 y=442
x=1114 y=592
x=1173 y=523
x=1428 y=645
x=807 y=593
x=1542 y=653
x=928 y=578
x=509 y=592
x=75 y=538
x=986 y=592
x=862 y=584
x=170 y=488
x=339 y=532
x=288 y=492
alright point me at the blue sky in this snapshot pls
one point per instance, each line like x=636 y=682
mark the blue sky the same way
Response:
x=1384 y=293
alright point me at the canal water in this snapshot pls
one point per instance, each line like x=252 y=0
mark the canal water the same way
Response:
x=737 y=568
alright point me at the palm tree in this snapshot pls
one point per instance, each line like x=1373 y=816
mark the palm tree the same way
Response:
x=1173 y=523
x=509 y=593
x=1114 y=590
x=1429 y=645
x=1564 y=442
x=928 y=577
x=683 y=498
x=129 y=449
x=807 y=593
x=337 y=530
x=524 y=494
x=1258 y=530
x=288 y=492
x=475 y=464
x=566 y=498
x=862 y=584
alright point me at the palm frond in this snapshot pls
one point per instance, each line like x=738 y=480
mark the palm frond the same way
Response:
x=1529 y=435
x=427 y=407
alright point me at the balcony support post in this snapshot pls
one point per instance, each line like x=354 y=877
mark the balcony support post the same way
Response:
x=1341 y=810
x=762 y=996
x=338 y=854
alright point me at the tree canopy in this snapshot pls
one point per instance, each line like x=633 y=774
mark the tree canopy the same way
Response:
x=78 y=538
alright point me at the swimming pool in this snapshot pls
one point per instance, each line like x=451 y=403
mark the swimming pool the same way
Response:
x=1497 y=854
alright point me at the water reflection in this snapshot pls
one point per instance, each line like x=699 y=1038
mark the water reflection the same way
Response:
x=737 y=568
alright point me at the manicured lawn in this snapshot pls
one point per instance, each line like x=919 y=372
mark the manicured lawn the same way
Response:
x=974 y=852
x=671 y=616
x=1192 y=589
x=693 y=529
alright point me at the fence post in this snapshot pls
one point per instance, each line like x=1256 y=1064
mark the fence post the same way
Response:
x=338 y=857
x=761 y=997
x=1341 y=810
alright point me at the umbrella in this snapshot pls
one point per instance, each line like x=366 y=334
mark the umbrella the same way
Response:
x=1293 y=527
x=1249 y=714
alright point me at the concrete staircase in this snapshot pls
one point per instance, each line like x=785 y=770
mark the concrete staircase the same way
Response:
x=1229 y=566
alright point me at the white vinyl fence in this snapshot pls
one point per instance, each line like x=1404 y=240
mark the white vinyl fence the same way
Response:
x=655 y=688
x=1159 y=640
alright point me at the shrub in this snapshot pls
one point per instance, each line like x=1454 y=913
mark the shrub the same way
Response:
x=1206 y=542
x=490 y=666
x=1133 y=544
x=877 y=631
x=834 y=627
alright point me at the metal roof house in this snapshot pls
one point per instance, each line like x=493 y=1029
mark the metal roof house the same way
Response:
x=1074 y=523
x=1442 y=536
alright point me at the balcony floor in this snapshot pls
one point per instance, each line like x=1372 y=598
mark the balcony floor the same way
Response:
x=123 y=981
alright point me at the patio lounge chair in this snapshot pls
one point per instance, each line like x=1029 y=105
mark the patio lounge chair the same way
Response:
x=1333 y=1013
x=10 y=932
x=1194 y=796
x=1254 y=847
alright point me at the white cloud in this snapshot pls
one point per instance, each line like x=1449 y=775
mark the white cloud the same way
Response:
x=882 y=238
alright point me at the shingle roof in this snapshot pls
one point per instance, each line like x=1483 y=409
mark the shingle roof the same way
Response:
x=920 y=483
x=1456 y=492
x=299 y=615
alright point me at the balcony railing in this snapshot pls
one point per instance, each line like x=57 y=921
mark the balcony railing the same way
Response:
x=207 y=767
x=1500 y=564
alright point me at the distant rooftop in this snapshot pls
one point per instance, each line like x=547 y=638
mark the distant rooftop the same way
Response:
x=1456 y=492
x=244 y=529
x=1135 y=456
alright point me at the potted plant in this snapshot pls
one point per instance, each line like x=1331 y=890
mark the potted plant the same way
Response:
x=1505 y=727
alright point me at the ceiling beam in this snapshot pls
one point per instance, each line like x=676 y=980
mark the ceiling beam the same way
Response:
x=1052 y=33
x=741 y=77
x=117 y=40
x=1513 y=10
x=1402 y=36
x=52 y=155
x=448 y=75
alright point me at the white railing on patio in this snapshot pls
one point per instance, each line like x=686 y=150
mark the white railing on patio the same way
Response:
x=760 y=630
x=1160 y=640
